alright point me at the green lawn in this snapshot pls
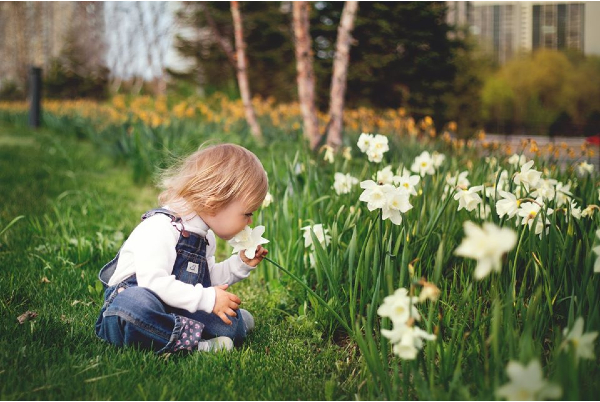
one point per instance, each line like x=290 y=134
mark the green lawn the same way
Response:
x=78 y=207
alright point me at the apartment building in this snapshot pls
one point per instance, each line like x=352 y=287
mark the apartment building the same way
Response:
x=503 y=29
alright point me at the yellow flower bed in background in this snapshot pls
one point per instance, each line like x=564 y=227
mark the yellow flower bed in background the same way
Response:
x=220 y=110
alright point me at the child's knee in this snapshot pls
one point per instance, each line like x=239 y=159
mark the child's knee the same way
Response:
x=136 y=316
x=235 y=331
x=138 y=299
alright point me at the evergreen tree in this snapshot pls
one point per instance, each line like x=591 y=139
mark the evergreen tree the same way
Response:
x=401 y=54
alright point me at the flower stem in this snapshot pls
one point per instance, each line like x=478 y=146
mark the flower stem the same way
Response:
x=319 y=298
x=514 y=268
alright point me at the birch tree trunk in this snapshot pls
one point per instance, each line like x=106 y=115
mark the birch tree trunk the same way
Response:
x=305 y=77
x=242 y=76
x=340 y=74
x=221 y=40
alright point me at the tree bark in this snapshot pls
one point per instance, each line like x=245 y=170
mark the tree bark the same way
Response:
x=340 y=74
x=305 y=77
x=242 y=76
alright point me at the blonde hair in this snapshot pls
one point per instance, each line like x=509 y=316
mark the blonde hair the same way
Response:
x=212 y=177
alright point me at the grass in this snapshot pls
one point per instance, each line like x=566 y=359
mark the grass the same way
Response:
x=78 y=206
x=332 y=291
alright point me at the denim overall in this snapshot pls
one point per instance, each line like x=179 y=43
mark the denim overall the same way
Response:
x=135 y=316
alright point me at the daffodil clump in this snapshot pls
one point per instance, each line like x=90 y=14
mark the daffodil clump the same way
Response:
x=406 y=338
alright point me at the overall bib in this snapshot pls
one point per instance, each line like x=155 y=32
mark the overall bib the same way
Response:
x=135 y=316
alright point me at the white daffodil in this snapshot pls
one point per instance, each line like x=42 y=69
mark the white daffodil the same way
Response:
x=385 y=176
x=319 y=232
x=575 y=210
x=597 y=251
x=438 y=159
x=374 y=146
x=517 y=160
x=399 y=307
x=588 y=212
x=407 y=181
x=583 y=344
x=528 y=177
x=410 y=340
x=584 y=169
x=491 y=161
x=468 y=199
x=329 y=154
x=486 y=244
x=563 y=193
x=343 y=183
x=347 y=153
x=364 y=142
x=248 y=239
x=490 y=192
x=397 y=203
x=392 y=200
x=460 y=180
x=599 y=194
x=527 y=383
x=502 y=181
x=268 y=200
x=380 y=143
x=508 y=205
x=484 y=211
x=423 y=164
x=540 y=225
x=374 y=155
x=529 y=210
x=545 y=188
x=374 y=194
x=429 y=292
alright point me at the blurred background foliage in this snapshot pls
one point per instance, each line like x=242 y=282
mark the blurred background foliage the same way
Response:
x=404 y=55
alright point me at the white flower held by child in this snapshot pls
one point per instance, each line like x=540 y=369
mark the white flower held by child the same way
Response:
x=248 y=240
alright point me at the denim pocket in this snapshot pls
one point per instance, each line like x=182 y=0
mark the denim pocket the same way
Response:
x=190 y=267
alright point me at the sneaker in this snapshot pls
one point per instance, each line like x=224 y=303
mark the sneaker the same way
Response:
x=216 y=344
x=248 y=320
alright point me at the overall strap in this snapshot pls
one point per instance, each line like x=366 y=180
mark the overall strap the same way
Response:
x=175 y=220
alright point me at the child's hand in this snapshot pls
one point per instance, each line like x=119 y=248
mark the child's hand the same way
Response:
x=225 y=303
x=261 y=253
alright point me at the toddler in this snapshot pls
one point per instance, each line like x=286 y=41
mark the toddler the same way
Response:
x=164 y=291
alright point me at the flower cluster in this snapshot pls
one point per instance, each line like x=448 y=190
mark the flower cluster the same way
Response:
x=319 y=232
x=374 y=146
x=390 y=199
x=321 y=235
x=405 y=336
x=532 y=196
x=427 y=163
x=343 y=183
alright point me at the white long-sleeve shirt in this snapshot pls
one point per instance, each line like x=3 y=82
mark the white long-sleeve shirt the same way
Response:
x=150 y=254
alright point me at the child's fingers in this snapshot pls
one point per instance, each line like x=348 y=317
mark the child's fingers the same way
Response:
x=235 y=299
x=224 y=318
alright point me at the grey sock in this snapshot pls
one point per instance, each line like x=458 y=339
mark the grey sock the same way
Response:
x=248 y=320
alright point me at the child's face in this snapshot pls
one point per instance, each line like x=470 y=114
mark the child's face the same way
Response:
x=230 y=220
